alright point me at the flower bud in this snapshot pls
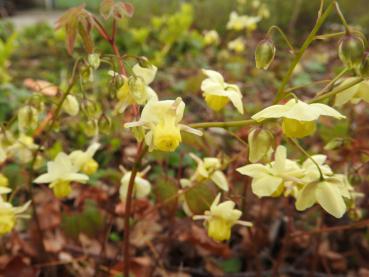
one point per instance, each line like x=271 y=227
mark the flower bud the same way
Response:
x=138 y=89
x=94 y=60
x=91 y=128
x=260 y=142
x=91 y=109
x=264 y=54
x=351 y=50
x=105 y=124
x=27 y=118
x=71 y=105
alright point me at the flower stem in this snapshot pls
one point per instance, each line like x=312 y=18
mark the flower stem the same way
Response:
x=302 y=50
x=303 y=151
x=335 y=91
x=285 y=38
x=141 y=150
x=224 y=124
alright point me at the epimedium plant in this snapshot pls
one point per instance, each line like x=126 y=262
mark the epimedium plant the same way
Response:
x=157 y=125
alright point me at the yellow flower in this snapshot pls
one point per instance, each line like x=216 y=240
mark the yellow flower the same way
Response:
x=260 y=145
x=353 y=94
x=209 y=168
x=281 y=175
x=237 y=45
x=141 y=188
x=8 y=213
x=218 y=93
x=162 y=119
x=329 y=194
x=4 y=182
x=220 y=219
x=211 y=37
x=60 y=173
x=83 y=161
x=22 y=149
x=298 y=117
x=239 y=22
x=135 y=89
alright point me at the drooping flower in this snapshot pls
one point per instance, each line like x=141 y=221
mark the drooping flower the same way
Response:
x=60 y=173
x=84 y=161
x=237 y=45
x=162 y=119
x=272 y=179
x=298 y=118
x=260 y=144
x=9 y=213
x=209 y=168
x=328 y=193
x=218 y=93
x=136 y=89
x=211 y=37
x=220 y=219
x=353 y=94
x=239 y=22
x=141 y=188
x=22 y=149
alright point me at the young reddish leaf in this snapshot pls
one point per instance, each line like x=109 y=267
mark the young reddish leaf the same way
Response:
x=106 y=8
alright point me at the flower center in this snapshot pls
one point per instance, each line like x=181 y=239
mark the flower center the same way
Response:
x=216 y=102
x=298 y=129
x=167 y=135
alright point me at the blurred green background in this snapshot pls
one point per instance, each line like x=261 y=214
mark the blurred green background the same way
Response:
x=211 y=14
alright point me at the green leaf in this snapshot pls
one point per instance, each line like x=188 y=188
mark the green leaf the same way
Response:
x=231 y=266
x=166 y=191
x=199 y=198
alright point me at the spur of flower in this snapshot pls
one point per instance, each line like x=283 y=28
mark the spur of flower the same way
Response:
x=298 y=117
x=141 y=188
x=84 y=161
x=209 y=168
x=239 y=22
x=161 y=120
x=220 y=219
x=136 y=89
x=352 y=94
x=218 y=93
x=9 y=213
x=272 y=179
x=60 y=173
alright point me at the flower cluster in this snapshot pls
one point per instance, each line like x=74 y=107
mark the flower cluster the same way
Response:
x=311 y=182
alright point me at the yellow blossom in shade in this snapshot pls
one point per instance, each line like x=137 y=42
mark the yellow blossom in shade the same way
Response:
x=237 y=45
x=353 y=94
x=161 y=120
x=209 y=168
x=220 y=219
x=22 y=149
x=211 y=37
x=239 y=22
x=298 y=118
x=136 y=89
x=272 y=179
x=83 y=161
x=328 y=193
x=218 y=93
x=4 y=182
x=60 y=173
x=141 y=188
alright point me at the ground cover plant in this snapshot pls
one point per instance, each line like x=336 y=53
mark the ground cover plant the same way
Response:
x=166 y=150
